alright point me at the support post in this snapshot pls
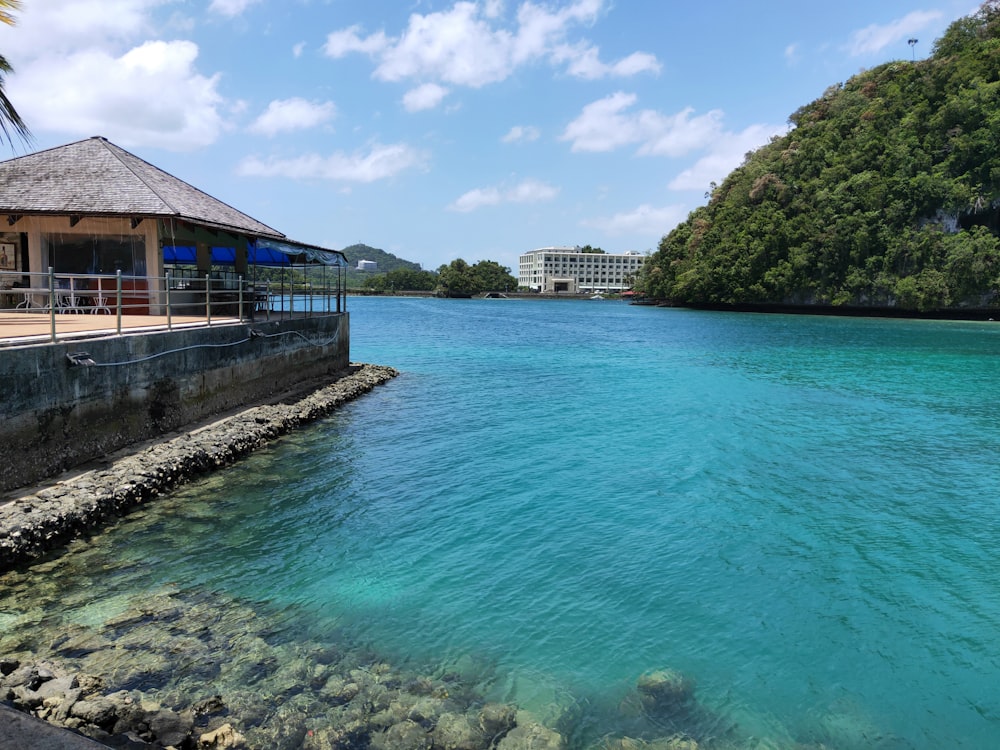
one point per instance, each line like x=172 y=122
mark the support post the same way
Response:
x=118 y=299
x=52 y=302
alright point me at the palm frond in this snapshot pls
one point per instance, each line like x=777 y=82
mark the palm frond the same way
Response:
x=11 y=123
x=7 y=10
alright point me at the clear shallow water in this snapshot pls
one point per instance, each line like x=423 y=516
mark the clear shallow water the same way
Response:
x=798 y=513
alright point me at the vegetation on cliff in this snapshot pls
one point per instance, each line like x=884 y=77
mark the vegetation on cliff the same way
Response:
x=884 y=193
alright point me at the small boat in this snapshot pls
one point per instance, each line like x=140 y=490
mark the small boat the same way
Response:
x=598 y=296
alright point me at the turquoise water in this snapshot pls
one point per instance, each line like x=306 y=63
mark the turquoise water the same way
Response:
x=798 y=513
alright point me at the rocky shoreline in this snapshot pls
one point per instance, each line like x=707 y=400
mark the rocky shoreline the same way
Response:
x=36 y=523
x=147 y=677
x=331 y=700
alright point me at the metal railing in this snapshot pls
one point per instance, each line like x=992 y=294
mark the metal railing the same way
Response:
x=186 y=298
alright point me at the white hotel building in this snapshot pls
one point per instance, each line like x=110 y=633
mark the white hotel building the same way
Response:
x=566 y=269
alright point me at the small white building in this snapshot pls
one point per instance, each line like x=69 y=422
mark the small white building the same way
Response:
x=567 y=269
x=367 y=265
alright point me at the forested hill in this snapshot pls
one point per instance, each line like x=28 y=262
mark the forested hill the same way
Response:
x=885 y=193
x=386 y=262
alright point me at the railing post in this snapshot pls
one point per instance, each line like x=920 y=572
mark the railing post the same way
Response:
x=52 y=302
x=239 y=283
x=170 y=324
x=118 y=298
x=208 y=299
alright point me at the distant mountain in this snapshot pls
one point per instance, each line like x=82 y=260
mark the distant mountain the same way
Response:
x=386 y=262
x=884 y=194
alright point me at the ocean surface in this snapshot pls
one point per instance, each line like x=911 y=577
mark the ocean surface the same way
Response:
x=800 y=514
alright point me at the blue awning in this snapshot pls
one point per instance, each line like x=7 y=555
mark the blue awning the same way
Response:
x=304 y=254
x=263 y=253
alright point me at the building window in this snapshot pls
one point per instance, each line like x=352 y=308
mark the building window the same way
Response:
x=76 y=253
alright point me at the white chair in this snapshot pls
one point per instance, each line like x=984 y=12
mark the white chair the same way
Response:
x=100 y=303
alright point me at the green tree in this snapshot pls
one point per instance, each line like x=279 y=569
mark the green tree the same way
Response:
x=402 y=279
x=459 y=279
x=456 y=279
x=490 y=276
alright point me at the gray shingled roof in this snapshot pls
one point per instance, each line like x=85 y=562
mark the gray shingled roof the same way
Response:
x=97 y=178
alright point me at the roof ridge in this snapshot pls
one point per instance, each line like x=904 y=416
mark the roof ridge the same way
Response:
x=119 y=154
x=115 y=152
x=92 y=177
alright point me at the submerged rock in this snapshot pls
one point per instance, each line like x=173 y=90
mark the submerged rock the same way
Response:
x=496 y=719
x=665 y=691
x=223 y=738
x=532 y=736
x=406 y=735
x=676 y=742
x=457 y=732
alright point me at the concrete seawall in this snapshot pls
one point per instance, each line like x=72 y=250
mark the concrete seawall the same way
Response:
x=67 y=403
x=36 y=523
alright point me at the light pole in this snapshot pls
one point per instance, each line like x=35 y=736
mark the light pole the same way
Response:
x=913 y=45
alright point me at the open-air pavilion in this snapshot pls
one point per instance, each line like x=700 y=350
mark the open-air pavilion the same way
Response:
x=90 y=227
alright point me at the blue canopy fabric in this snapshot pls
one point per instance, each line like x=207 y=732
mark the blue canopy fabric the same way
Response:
x=261 y=253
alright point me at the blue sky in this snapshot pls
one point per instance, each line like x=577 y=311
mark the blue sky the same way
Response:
x=437 y=130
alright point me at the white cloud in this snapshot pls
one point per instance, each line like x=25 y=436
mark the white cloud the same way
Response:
x=637 y=62
x=93 y=93
x=605 y=125
x=727 y=153
x=522 y=134
x=341 y=43
x=231 y=8
x=378 y=163
x=477 y=198
x=286 y=115
x=601 y=126
x=873 y=39
x=679 y=134
x=645 y=220
x=583 y=61
x=493 y=8
x=456 y=46
x=298 y=49
x=54 y=27
x=469 y=45
x=81 y=71
x=423 y=97
x=792 y=54
x=540 y=30
x=527 y=191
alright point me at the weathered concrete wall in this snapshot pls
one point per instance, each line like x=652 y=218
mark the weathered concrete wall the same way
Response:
x=36 y=523
x=54 y=415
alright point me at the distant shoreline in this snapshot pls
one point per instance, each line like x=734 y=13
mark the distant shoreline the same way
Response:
x=484 y=295
x=846 y=311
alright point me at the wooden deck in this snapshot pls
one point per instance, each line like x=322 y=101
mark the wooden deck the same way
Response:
x=26 y=328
